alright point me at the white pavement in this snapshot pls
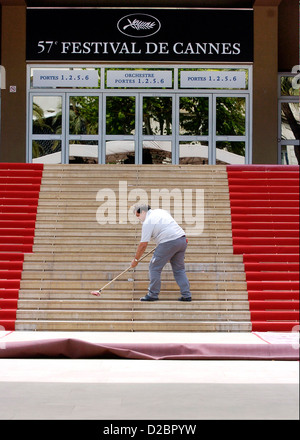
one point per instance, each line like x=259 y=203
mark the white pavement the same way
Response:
x=122 y=389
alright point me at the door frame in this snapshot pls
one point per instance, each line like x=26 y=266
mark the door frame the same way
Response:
x=31 y=137
x=208 y=138
x=233 y=138
x=144 y=137
x=69 y=137
x=283 y=98
x=125 y=137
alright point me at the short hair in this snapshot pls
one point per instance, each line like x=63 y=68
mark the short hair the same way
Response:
x=141 y=207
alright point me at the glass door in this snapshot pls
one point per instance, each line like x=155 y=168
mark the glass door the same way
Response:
x=289 y=132
x=120 y=121
x=195 y=129
x=46 y=128
x=142 y=127
x=157 y=129
x=83 y=128
x=231 y=129
x=145 y=114
x=288 y=120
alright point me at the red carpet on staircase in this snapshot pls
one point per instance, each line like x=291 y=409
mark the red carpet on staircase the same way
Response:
x=19 y=195
x=265 y=230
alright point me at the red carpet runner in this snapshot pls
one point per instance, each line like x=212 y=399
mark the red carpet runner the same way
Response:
x=19 y=194
x=265 y=229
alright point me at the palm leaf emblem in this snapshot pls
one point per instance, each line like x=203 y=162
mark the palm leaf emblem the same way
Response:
x=139 y=24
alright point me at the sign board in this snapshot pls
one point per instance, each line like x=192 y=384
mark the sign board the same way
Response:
x=117 y=34
x=212 y=80
x=68 y=78
x=139 y=78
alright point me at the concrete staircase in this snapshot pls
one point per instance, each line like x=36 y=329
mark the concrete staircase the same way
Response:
x=74 y=254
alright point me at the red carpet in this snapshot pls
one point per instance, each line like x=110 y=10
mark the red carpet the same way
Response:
x=80 y=349
x=19 y=194
x=265 y=230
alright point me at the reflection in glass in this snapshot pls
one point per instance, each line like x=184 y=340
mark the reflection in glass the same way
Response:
x=290 y=120
x=230 y=153
x=46 y=151
x=193 y=153
x=84 y=114
x=83 y=151
x=157 y=152
x=46 y=114
x=287 y=86
x=193 y=116
x=231 y=119
x=157 y=115
x=290 y=154
x=120 y=152
x=120 y=115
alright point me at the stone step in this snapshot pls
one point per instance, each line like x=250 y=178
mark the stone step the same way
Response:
x=113 y=175
x=210 y=200
x=196 y=250
x=116 y=268
x=91 y=211
x=105 y=276
x=192 y=251
x=115 y=235
x=89 y=285
x=142 y=169
x=111 y=171
x=110 y=258
x=210 y=208
x=210 y=223
x=126 y=241
x=137 y=326
x=116 y=295
x=136 y=315
x=217 y=193
x=94 y=303
x=91 y=184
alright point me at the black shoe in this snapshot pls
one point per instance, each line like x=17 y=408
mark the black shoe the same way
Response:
x=184 y=298
x=148 y=298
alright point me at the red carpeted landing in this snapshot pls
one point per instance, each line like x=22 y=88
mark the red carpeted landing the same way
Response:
x=75 y=348
x=265 y=230
x=19 y=194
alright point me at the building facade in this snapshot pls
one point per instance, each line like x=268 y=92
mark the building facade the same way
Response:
x=165 y=82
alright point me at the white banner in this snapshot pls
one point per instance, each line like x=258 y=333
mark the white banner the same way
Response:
x=65 y=78
x=208 y=79
x=139 y=78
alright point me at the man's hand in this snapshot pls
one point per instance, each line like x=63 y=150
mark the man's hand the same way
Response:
x=139 y=252
x=134 y=263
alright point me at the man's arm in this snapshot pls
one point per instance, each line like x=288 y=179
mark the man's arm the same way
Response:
x=139 y=252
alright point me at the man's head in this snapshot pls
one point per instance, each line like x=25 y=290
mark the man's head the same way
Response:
x=140 y=210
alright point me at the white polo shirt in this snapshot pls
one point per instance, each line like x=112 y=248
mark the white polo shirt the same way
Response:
x=160 y=226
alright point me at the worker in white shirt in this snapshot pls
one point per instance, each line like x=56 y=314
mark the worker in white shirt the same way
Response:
x=171 y=242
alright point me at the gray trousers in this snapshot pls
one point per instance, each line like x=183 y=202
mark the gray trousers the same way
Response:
x=173 y=251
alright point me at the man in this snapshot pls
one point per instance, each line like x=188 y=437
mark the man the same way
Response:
x=171 y=242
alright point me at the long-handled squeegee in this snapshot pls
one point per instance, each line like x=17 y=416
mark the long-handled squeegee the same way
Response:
x=98 y=292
